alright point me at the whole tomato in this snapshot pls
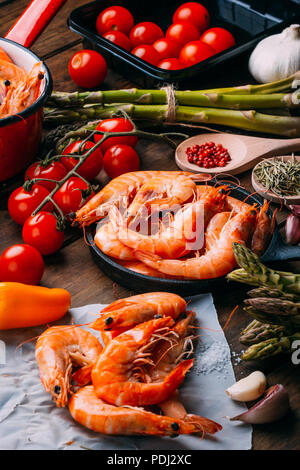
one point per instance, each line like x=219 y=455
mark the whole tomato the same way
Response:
x=118 y=38
x=193 y=12
x=87 y=68
x=22 y=203
x=54 y=171
x=183 y=32
x=171 y=64
x=147 y=53
x=93 y=164
x=145 y=33
x=114 y=18
x=115 y=125
x=120 y=159
x=21 y=263
x=218 y=38
x=166 y=48
x=72 y=194
x=41 y=232
x=194 y=52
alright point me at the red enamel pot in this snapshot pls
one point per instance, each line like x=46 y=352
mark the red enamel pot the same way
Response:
x=20 y=135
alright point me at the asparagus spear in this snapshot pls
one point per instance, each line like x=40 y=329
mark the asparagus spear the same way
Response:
x=274 y=306
x=257 y=331
x=272 y=293
x=274 y=319
x=271 y=347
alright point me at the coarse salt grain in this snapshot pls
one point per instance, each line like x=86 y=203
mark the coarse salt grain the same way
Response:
x=212 y=357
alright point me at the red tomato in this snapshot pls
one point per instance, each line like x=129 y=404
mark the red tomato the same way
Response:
x=21 y=263
x=22 y=203
x=218 y=38
x=118 y=38
x=193 y=12
x=73 y=193
x=114 y=18
x=145 y=33
x=183 y=32
x=41 y=232
x=120 y=159
x=171 y=64
x=147 y=53
x=87 y=68
x=54 y=171
x=115 y=125
x=91 y=167
x=166 y=48
x=194 y=52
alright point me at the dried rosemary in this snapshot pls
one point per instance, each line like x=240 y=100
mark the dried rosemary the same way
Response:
x=280 y=176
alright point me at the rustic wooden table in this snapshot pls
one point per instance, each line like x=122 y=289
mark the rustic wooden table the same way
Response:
x=73 y=268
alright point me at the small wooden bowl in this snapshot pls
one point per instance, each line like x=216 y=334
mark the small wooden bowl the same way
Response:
x=262 y=191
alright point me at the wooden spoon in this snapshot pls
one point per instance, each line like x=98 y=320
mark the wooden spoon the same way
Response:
x=245 y=151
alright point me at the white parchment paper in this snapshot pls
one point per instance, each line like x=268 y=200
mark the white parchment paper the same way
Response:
x=30 y=420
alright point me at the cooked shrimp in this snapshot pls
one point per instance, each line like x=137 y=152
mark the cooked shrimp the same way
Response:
x=57 y=350
x=185 y=233
x=108 y=242
x=93 y=413
x=217 y=261
x=141 y=268
x=264 y=227
x=126 y=313
x=114 y=375
x=119 y=191
x=11 y=72
x=4 y=56
x=215 y=227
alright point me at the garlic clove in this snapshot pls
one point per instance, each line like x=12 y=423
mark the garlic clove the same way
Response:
x=248 y=389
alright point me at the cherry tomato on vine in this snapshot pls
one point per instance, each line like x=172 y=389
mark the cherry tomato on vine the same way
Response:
x=166 y=48
x=145 y=33
x=93 y=164
x=114 y=18
x=194 y=52
x=218 y=38
x=41 y=232
x=54 y=171
x=87 y=68
x=115 y=125
x=21 y=263
x=72 y=194
x=118 y=38
x=22 y=203
x=147 y=53
x=171 y=64
x=193 y=12
x=120 y=159
x=183 y=32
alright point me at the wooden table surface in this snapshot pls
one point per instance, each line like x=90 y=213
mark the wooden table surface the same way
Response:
x=73 y=268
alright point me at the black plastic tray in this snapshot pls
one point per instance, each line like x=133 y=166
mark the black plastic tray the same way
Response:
x=248 y=20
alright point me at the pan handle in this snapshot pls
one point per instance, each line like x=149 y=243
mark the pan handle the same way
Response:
x=33 y=21
x=278 y=250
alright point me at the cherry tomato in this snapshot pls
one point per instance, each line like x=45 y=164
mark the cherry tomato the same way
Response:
x=147 y=53
x=54 y=171
x=120 y=159
x=72 y=194
x=183 y=32
x=22 y=203
x=114 y=18
x=218 y=38
x=171 y=64
x=115 y=125
x=145 y=33
x=118 y=38
x=87 y=68
x=194 y=52
x=193 y=12
x=166 y=48
x=40 y=231
x=91 y=167
x=21 y=263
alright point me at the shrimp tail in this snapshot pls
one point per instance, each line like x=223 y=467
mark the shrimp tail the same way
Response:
x=204 y=425
x=174 y=379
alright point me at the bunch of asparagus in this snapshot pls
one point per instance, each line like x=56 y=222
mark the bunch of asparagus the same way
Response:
x=235 y=106
x=275 y=305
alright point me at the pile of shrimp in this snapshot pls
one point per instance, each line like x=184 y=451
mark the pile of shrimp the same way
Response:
x=129 y=386
x=18 y=89
x=162 y=224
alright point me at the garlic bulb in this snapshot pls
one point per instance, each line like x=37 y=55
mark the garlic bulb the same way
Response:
x=277 y=56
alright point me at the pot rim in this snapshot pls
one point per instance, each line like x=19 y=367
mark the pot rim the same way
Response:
x=41 y=99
